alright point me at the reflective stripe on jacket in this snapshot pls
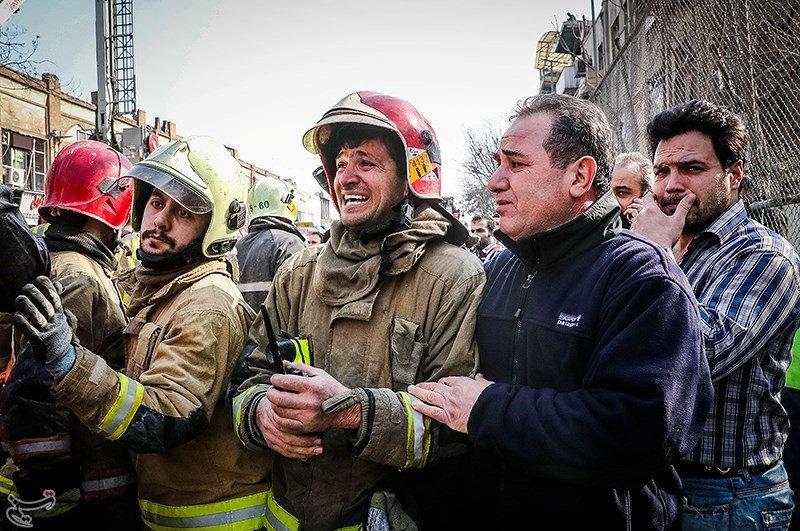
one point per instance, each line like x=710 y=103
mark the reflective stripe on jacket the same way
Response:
x=279 y=519
x=245 y=513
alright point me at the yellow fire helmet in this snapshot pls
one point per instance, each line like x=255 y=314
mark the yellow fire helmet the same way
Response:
x=270 y=196
x=201 y=175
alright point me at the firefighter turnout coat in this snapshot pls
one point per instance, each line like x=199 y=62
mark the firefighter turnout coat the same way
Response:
x=380 y=316
x=186 y=330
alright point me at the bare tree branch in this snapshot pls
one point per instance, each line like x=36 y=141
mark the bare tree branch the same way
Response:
x=477 y=167
x=18 y=53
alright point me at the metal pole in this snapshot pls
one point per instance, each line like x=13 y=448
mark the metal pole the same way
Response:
x=101 y=43
x=594 y=44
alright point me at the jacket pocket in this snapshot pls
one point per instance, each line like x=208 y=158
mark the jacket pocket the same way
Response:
x=406 y=354
x=141 y=339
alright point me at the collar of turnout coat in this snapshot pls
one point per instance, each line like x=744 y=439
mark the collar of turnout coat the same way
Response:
x=349 y=268
x=274 y=223
x=67 y=238
x=600 y=222
x=152 y=286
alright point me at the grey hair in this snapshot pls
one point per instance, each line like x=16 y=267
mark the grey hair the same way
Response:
x=643 y=165
x=579 y=129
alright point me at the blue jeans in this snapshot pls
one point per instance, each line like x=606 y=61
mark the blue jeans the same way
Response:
x=743 y=501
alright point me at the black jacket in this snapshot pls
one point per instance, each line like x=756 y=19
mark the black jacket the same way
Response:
x=268 y=243
x=594 y=339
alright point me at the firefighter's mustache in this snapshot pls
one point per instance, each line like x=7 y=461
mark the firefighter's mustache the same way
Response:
x=158 y=236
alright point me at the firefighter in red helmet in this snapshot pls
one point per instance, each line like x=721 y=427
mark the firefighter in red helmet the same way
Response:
x=388 y=301
x=92 y=480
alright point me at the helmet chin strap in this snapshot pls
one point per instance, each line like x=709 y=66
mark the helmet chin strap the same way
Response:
x=406 y=212
x=169 y=261
x=400 y=217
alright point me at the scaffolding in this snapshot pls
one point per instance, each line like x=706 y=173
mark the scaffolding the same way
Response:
x=124 y=79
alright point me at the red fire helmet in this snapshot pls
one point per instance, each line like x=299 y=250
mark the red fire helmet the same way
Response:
x=423 y=157
x=87 y=177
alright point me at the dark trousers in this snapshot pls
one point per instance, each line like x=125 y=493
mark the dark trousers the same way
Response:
x=790 y=398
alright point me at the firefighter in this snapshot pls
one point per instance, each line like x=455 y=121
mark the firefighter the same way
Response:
x=388 y=301
x=126 y=262
x=188 y=323
x=85 y=203
x=271 y=237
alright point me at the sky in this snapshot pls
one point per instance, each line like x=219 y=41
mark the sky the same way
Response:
x=257 y=74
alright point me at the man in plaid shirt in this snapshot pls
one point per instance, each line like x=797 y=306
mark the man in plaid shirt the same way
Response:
x=483 y=228
x=745 y=278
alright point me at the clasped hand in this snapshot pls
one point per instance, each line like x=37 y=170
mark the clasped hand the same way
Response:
x=290 y=416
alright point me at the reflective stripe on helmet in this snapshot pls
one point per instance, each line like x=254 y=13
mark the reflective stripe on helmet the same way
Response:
x=237 y=514
x=122 y=410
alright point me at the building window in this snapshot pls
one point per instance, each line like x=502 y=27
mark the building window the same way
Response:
x=24 y=164
x=324 y=208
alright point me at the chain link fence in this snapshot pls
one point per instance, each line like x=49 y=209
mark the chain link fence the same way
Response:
x=743 y=54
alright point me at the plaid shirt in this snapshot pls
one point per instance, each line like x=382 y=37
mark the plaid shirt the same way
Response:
x=745 y=278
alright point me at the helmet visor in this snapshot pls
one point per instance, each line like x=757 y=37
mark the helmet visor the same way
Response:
x=318 y=135
x=177 y=189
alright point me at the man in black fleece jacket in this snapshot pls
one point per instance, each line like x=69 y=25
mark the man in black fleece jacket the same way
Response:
x=594 y=378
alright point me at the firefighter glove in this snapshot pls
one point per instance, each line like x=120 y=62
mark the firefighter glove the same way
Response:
x=41 y=318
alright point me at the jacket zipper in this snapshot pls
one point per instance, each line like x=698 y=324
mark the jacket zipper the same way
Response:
x=518 y=343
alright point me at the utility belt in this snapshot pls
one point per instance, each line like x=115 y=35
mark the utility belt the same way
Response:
x=697 y=470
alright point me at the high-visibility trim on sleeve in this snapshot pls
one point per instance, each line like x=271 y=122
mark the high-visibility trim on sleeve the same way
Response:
x=7 y=486
x=418 y=434
x=239 y=405
x=54 y=446
x=124 y=407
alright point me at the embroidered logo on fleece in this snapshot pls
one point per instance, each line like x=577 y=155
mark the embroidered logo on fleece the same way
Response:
x=568 y=320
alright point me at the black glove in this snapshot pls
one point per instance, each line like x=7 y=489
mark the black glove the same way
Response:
x=41 y=318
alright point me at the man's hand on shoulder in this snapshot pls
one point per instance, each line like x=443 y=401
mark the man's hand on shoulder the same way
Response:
x=450 y=400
